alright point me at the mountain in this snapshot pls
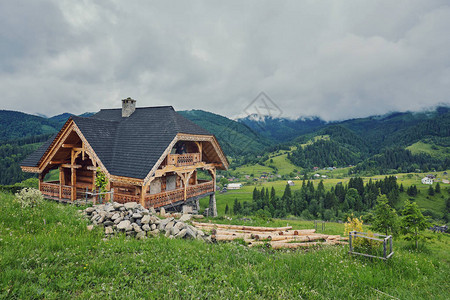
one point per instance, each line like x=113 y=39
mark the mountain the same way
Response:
x=15 y=125
x=281 y=129
x=234 y=137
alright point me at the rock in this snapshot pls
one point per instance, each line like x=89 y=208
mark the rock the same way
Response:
x=115 y=216
x=145 y=219
x=140 y=235
x=117 y=206
x=109 y=230
x=89 y=210
x=108 y=223
x=153 y=232
x=145 y=212
x=200 y=233
x=167 y=233
x=189 y=233
x=137 y=215
x=169 y=226
x=129 y=228
x=109 y=208
x=162 y=212
x=198 y=216
x=185 y=217
x=118 y=220
x=154 y=220
x=152 y=211
x=122 y=208
x=102 y=218
x=130 y=205
x=181 y=234
x=136 y=227
x=123 y=225
x=174 y=230
x=180 y=225
x=138 y=221
x=146 y=227
x=153 y=227
x=90 y=227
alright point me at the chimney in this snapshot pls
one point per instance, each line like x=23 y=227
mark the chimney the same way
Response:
x=128 y=107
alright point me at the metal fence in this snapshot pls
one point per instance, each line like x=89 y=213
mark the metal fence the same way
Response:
x=386 y=239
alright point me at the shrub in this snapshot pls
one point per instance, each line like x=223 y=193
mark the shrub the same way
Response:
x=29 y=197
x=355 y=224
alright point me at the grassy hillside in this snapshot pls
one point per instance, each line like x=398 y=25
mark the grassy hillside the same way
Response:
x=48 y=253
x=431 y=149
x=435 y=204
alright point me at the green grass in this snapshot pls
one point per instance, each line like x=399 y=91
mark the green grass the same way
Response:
x=434 y=203
x=255 y=170
x=433 y=150
x=59 y=259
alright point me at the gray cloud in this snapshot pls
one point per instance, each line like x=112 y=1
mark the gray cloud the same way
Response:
x=334 y=59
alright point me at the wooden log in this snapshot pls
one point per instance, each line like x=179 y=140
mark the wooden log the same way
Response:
x=282 y=245
x=227 y=237
x=301 y=238
x=241 y=227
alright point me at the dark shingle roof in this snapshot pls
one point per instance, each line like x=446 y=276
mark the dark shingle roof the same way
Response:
x=131 y=146
x=33 y=159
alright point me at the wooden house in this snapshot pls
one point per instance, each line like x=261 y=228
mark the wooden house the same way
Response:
x=150 y=155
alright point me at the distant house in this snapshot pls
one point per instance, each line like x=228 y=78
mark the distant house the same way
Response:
x=234 y=186
x=317 y=175
x=324 y=176
x=290 y=182
x=427 y=180
x=316 y=168
x=445 y=181
x=431 y=176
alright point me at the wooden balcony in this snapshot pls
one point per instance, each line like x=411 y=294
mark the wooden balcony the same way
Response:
x=165 y=198
x=54 y=190
x=179 y=160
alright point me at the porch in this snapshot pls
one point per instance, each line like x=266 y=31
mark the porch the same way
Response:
x=57 y=191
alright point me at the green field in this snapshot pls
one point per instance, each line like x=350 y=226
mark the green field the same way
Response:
x=431 y=149
x=434 y=203
x=48 y=253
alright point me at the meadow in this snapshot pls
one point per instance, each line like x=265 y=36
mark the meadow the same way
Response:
x=435 y=203
x=47 y=252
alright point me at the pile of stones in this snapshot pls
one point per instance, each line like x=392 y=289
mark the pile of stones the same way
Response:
x=134 y=220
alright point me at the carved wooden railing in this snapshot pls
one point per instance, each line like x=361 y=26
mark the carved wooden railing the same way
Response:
x=180 y=160
x=52 y=189
x=199 y=189
x=123 y=198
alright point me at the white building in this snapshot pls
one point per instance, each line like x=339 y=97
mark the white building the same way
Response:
x=427 y=180
x=234 y=186
x=290 y=182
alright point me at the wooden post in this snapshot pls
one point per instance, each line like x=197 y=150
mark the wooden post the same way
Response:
x=61 y=171
x=350 y=242
x=108 y=188
x=73 y=177
x=384 y=248
x=143 y=190
x=40 y=181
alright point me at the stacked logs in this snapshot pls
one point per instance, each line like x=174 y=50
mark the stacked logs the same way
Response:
x=275 y=237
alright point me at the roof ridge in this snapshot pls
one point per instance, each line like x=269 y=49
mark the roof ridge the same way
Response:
x=158 y=106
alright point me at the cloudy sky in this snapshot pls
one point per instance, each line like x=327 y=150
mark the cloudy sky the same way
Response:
x=334 y=59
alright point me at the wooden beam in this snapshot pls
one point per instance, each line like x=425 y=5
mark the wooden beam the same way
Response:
x=57 y=162
x=68 y=145
x=71 y=166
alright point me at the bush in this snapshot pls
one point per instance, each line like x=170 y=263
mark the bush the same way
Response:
x=29 y=197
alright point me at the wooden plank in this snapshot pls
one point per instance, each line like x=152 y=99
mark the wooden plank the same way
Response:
x=68 y=166
x=241 y=227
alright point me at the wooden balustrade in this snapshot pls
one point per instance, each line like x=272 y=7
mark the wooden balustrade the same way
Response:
x=52 y=189
x=186 y=159
x=165 y=198
x=123 y=198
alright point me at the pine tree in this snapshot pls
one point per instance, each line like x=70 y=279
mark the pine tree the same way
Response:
x=413 y=222
x=431 y=191
x=385 y=218
x=437 y=189
x=226 y=209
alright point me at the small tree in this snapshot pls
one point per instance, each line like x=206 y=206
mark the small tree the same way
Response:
x=227 y=209
x=101 y=182
x=437 y=189
x=431 y=191
x=413 y=222
x=385 y=218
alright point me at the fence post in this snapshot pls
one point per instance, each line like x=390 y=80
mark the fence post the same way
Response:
x=384 y=248
x=112 y=195
x=390 y=244
x=350 y=241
